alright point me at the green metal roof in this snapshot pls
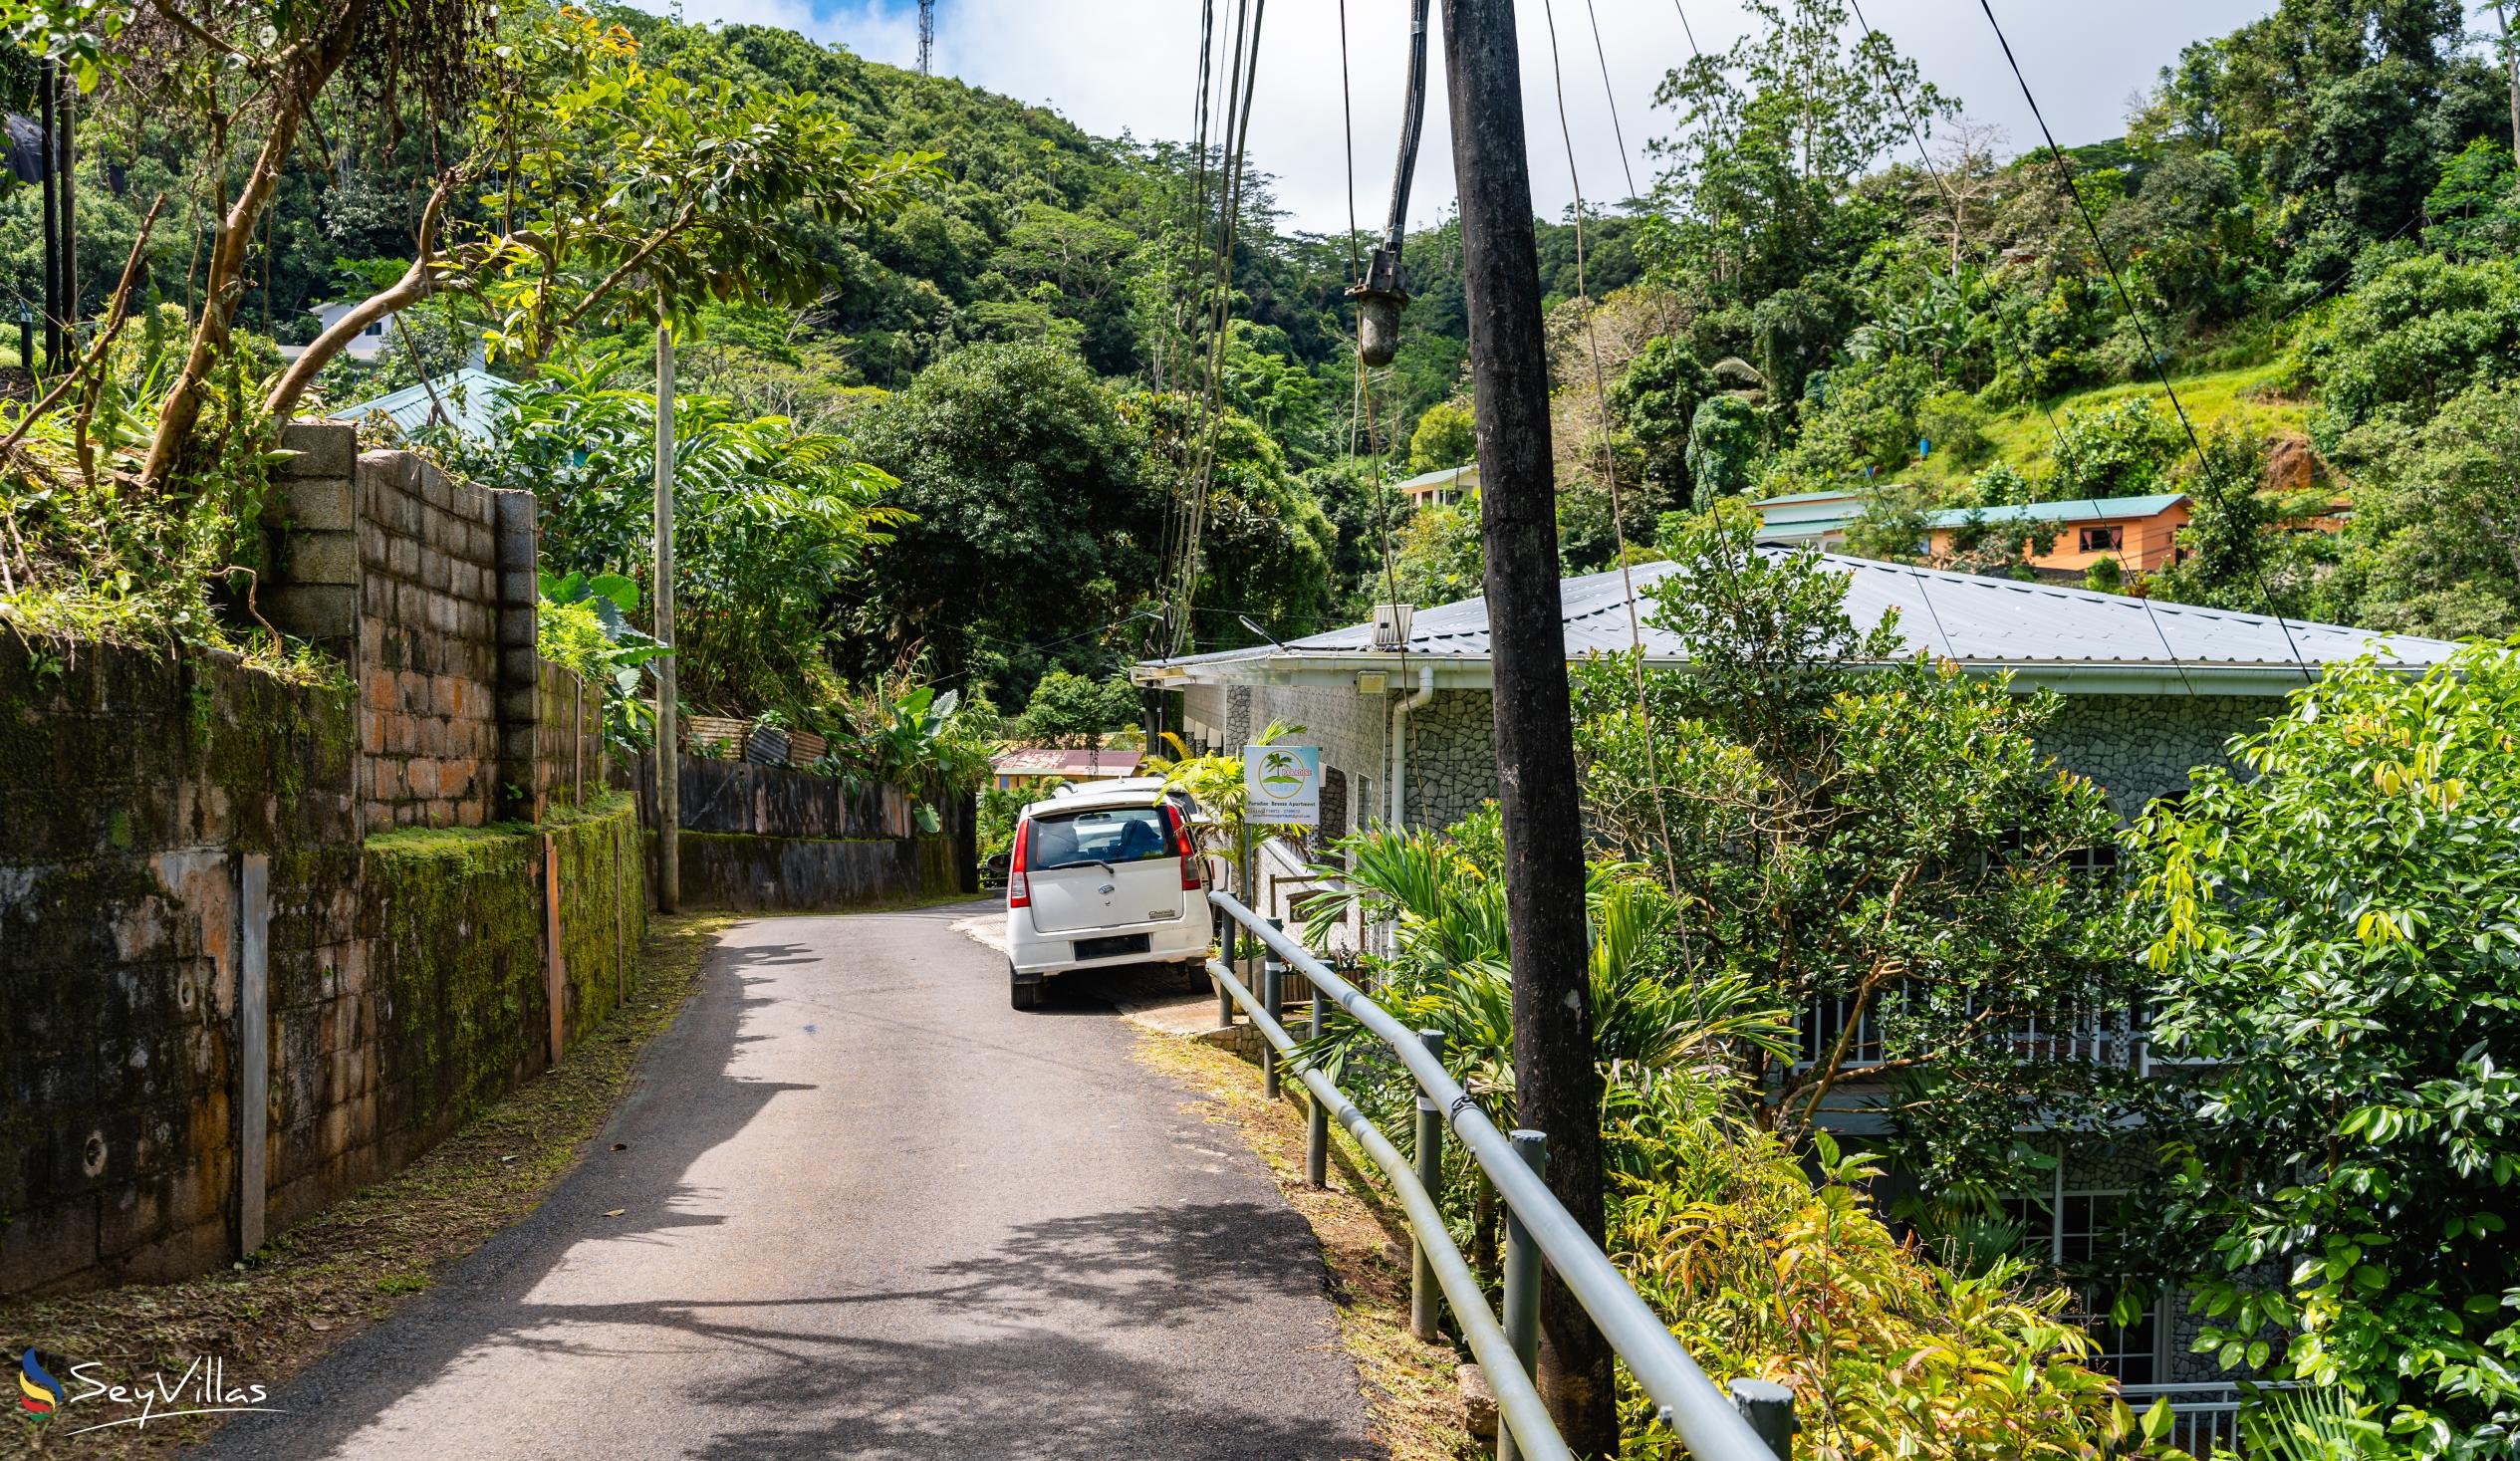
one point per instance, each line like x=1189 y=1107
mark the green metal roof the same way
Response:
x=2079 y=510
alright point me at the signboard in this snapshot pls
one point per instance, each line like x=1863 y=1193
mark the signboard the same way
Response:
x=1280 y=784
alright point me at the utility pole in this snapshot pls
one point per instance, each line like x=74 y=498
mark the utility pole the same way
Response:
x=1557 y=1088
x=668 y=748
x=2511 y=69
x=926 y=37
x=47 y=89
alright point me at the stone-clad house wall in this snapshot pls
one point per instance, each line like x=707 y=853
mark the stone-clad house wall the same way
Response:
x=2139 y=747
x=2136 y=747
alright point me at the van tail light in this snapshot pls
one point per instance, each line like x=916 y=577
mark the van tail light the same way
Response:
x=1019 y=887
x=1191 y=881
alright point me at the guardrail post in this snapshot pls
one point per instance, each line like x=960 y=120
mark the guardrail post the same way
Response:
x=1272 y=971
x=1769 y=1407
x=1424 y=1294
x=1522 y=1278
x=1317 y=1125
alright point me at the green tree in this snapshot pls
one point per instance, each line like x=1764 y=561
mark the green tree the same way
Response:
x=1725 y=442
x=1869 y=839
x=2337 y=923
x=1445 y=437
x=1071 y=711
x=1442 y=556
x=2435 y=545
x=1657 y=398
x=1035 y=519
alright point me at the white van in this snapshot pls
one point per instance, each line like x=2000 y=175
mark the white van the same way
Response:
x=1102 y=877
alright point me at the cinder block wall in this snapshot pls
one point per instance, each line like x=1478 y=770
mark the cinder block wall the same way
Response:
x=425 y=587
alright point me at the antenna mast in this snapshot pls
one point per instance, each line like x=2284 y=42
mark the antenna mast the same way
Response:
x=927 y=36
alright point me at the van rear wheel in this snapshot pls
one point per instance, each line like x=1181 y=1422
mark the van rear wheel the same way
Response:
x=1024 y=994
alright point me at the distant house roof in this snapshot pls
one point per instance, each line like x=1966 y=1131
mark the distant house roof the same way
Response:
x=2079 y=510
x=1807 y=517
x=1072 y=765
x=2046 y=635
x=475 y=403
x=1464 y=475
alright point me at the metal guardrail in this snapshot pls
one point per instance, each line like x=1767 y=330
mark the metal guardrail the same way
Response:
x=1538 y=1229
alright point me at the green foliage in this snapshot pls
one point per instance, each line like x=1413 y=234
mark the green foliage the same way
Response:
x=1445 y=437
x=1037 y=523
x=1443 y=554
x=1726 y=441
x=1712 y=1219
x=2127 y=448
x=1857 y=830
x=772 y=526
x=2334 y=924
x=1069 y=709
x=2401 y=344
x=1657 y=398
x=2435 y=545
x=583 y=624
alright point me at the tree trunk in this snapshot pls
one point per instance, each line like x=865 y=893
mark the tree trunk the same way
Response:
x=2511 y=69
x=1558 y=1089
x=301 y=75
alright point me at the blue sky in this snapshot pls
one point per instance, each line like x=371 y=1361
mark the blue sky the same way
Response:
x=1117 y=66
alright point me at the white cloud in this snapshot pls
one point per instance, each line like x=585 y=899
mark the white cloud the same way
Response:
x=1114 y=66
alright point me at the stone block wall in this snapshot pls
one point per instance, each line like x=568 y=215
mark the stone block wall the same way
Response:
x=570 y=760
x=2139 y=747
x=133 y=788
x=184 y=847
x=425 y=587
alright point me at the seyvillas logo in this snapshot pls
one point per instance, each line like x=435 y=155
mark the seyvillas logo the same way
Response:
x=36 y=1390
x=202 y=1388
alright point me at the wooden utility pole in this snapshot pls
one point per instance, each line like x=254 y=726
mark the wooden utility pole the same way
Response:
x=668 y=750
x=1557 y=1088
x=2511 y=70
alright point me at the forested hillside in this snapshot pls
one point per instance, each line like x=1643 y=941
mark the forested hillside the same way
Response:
x=2322 y=203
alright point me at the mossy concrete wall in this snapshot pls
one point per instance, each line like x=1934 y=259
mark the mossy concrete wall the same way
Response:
x=791 y=874
x=409 y=980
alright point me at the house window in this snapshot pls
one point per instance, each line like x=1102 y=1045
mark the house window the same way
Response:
x=377 y=329
x=2110 y=539
x=2068 y=1226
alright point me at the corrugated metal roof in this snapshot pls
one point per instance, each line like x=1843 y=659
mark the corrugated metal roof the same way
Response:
x=2077 y=510
x=475 y=398
x=1466 y=474
x=1981 y=621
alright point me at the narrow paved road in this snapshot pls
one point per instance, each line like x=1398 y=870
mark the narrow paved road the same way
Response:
x=869 y=1211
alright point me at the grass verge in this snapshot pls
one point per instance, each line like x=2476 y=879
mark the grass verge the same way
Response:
x=1413 y=1401
x=356 y=1262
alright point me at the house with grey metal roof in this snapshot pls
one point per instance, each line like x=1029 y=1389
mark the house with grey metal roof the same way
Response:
x=2150 y=690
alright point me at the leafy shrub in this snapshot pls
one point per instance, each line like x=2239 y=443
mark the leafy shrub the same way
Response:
x=2403 y=344
x=2338 y=921
x=2126 y=448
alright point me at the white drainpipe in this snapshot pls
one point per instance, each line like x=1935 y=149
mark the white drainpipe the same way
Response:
x=1400 y=708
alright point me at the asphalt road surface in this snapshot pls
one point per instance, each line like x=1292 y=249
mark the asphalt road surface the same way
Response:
x=866 y=1210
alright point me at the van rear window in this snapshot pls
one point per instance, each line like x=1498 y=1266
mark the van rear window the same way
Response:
x=1103 y=834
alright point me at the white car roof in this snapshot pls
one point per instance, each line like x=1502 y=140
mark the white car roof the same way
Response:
x=1136 y=791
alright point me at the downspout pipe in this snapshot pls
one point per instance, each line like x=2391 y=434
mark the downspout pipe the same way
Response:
x=1400 y=708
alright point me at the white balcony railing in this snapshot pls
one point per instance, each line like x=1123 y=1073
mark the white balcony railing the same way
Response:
x=2111 y=1038
x=2202 y=1417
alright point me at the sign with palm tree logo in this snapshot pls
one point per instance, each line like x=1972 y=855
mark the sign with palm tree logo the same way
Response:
x=1280 y=784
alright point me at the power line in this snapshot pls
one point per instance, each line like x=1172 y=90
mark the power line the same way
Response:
x=1609 y=459
x=2205 y=468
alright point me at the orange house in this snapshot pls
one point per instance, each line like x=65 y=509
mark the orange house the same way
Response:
x=2141 y=533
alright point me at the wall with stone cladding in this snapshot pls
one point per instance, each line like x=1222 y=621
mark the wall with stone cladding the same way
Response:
x=425 y=587
x=2139 y=747
x=1451 y=757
